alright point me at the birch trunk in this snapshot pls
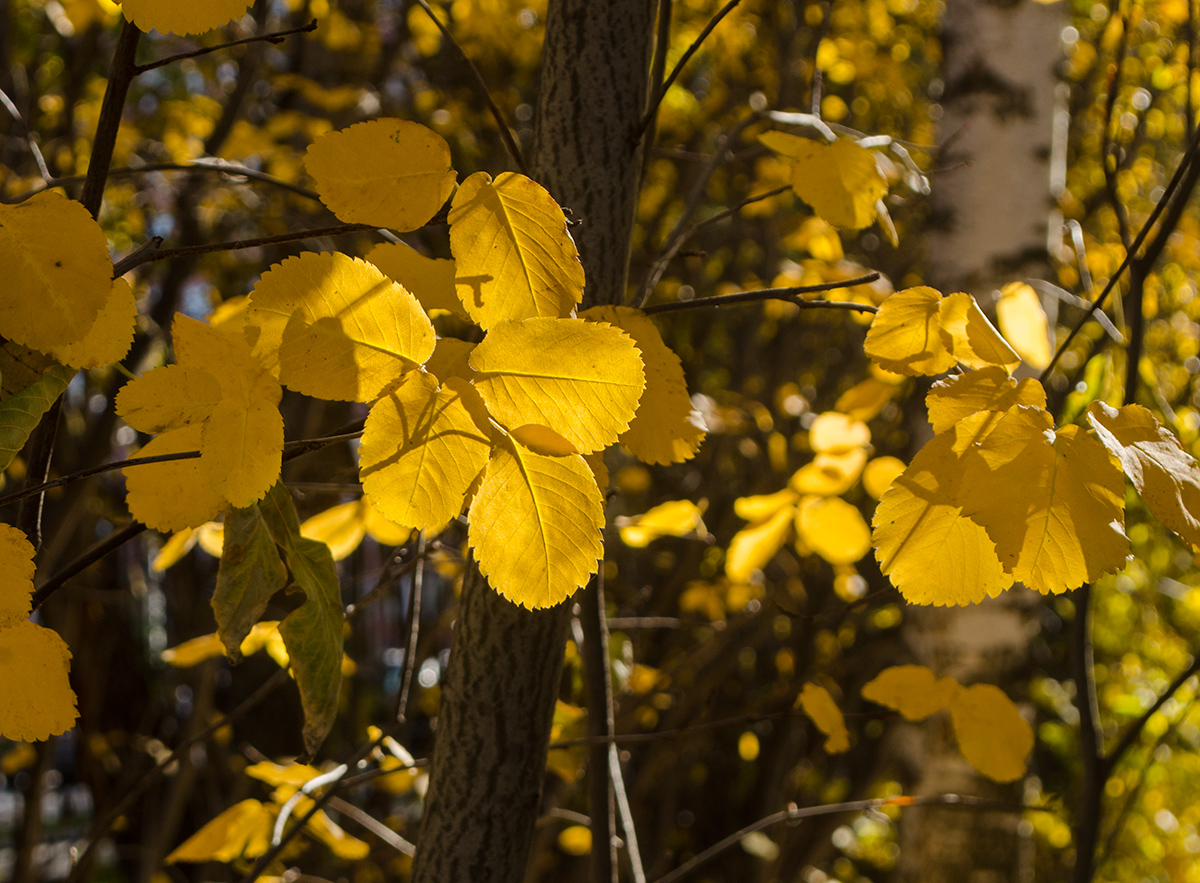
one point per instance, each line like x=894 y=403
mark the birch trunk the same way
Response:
x=503 y=677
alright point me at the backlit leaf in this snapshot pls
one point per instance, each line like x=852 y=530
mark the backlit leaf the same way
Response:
x=183 y=16
x=109 y=337
x=678 y=518
x=57 y=274
x=535 y=525
x=421 y=450
x=341 y=527
x=431 y=280
x=913 y=690
x=190 y=653
x=334 y=327
x=753 y=547
x=878 y=475
x=905 y=336
x=841 y=181
x=173 y=495
x=16 y=575
x=866 y=399
x=582 y=379
x=514 y=256
x=816 y=702
x=829 y=474
x=759 y=508
x=992 y=734
x=1023 y=323
x=169 y=397
x=1167 y=478
x=451 y=359
x=969 y=335
x=242 y=831
x=666 y=428
x=37 y=701
x=956 y=398
x=250 y=573
x=240 y=450
x=833 y=529
x=22 y=412
x=832 y=432
x=384 y=172
x=575 y=840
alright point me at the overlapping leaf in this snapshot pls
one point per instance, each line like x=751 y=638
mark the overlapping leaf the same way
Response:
x=110 y=335
x=913 y=690
x=431 y=280
x=385 y=172
x=335 y=327
x=677 y=518
x=182 y=16
x=20 y=413
x=172 y=495
x=514 y=256
x=973 y=340
x=1023 y=323
x=242 y=831
x=906 y=337
x=841 y=181
x=753 y=546
x=953 y=399
x=833 y=528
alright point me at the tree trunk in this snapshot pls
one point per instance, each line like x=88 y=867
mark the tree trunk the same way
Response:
x=992 y=207
x=503 y=677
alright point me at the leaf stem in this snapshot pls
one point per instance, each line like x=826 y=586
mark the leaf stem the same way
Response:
x=276 y=37
x=786 y=294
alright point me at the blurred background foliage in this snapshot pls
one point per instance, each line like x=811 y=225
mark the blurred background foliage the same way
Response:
x=711 y=665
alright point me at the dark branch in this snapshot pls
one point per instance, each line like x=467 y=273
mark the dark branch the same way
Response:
x=276 y=37
x=791 y=295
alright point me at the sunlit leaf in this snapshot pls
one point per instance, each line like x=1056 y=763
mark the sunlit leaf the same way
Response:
x=760 y=507
x=878 y=475
x=240 y=450
x=16 y=575
x=242 y=831
x=575 y=840
x=832 y=432
x=816 y=702
x=828 y=475
x=334 y=327
x=169 y=397
x=535 y=525
x=183 y=16
x=514 y=256
x=173 y=495
x=1023 y=324
x=431 y=280
x=913 y=690
x=582 y=379
x=833 y=529
x=451 y=359
x=678 y=518
x=906 y=337
x=969 y=335
x=753 y=547
x=992 y=734
x=384 y=172
x=866 y=399
x=956 y=398
x=276 y=774
x=841 y=181
x=341 y=527
x=37 y=701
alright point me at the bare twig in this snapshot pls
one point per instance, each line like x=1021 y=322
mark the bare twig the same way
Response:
x=601 y=721
x=372 y=824
x=30 y=140
x=814 y=98
x=414 y=631
x=276 y=37
x=95 y=470
x=792 y=295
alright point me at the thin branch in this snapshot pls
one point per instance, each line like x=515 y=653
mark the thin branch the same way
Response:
x=631 y=841
x=788 y=294
x=376 y=827
x=95 y=470
x=679 y=65
x=110 y=543
x=734 y=209
x=414 y=630
x=633 y=738
x=1087 y=828
x=276 y=37
x=1131 y=735
x=30 y=141
x=601 y=720
x=814 y=97
x=514 y=150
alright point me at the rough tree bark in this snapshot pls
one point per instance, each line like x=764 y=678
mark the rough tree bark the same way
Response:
x=991 y=208
x=502 y=681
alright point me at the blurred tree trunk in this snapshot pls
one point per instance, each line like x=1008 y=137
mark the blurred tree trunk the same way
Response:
x=993 y=219
x=500 y=689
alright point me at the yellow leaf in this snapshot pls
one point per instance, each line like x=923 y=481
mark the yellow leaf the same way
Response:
x=168 y=398
x=866 y=399
x=953 y=399
x=829 y=474
x=383 y=530
x=666 y=428
x=173 y=550
x=173 y=495
x=841 y=181
x=913 y=690
x=276 y=774
x=57 y=275
x=905 y=336
x=16 y=575
x=514 y=256
x=833 y=529
x=816 y=702
x=759 y=508
x=1023 y=323
x=431 y=280
x=535 y=525
x=334 y=327
x=969 y=335
x=109 y=337
x=230 y=315
x=240 y=450
x=678 y=518
x=227 y=357
x=263 y=636
x=421 y=449
x=451 y=359
x=242 y=831
x=211 y=537
x=879 y=474
x=582 y=379
x=832 y=432
x=992 y=734
x=21 y=756
x=37 y=701
x=575 y=840
x=932 y=552
x=384 y=172
x=182 y=16
x=340 y=527
x=753 y=547
x=1166 y=477
x=341 y=844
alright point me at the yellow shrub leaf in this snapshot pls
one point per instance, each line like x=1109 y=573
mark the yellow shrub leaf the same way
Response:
x=969 y=335
x=535 y=525
x=829 y=474
x=759 y=508
x=431 y=280
x=678 y=518
x=833 y=529
x=820 y=708
x=384 y=172
x=1023 y=324
x=666 y=428
x=340 y=527
x=992 y=734
x=575 y=840
x=878 y=475
x=421 y=450
x=16 y=575
x=514 y=256
x=1166 y=477
x=182 y=16
x=57 y=274
x=173 y=495
x=109 y=337
x=753 y=547
x=240 y=448
x=451 y=359
x=334 y=327
x=582 y=379
x=37 y=701
x=276 y=774
x=953 y=399
x=169 y=397
x=866 y=399
x=242 y=831
x=913 y=690
x=905 y=336
x=197 y=650
x=383 y=530
x=173 y=550
x=832 y=432
x=840 y=181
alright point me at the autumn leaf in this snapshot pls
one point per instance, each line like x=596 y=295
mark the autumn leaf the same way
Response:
x=581 y=379
x=20 y=413
x=513 y=254
x=913 y=690
x=250 y=573
x=335 y=327
x=431 y=280
x=878 y=475
x=829 y=474
x=341 y=527
x=384 y=172
x=865 y=399
x=760 y=507
x=242 y=831
x=991 y=733
x=37 y=701
x=57 y=272
x=535 y=525
x=1023 y=324
x=666 y=428
x=970 y=337
x=820 y=708
x=175 y=494
x=753 y=547
x=956 y=398
x=16 y=575
x=110 y=335
x=677 y=518
x=841 y=181
x=906 y=336
x=833 y=529
x=182 y=16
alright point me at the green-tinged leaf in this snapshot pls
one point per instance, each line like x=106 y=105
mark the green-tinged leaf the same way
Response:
x=250 y=573
x=21 y=413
